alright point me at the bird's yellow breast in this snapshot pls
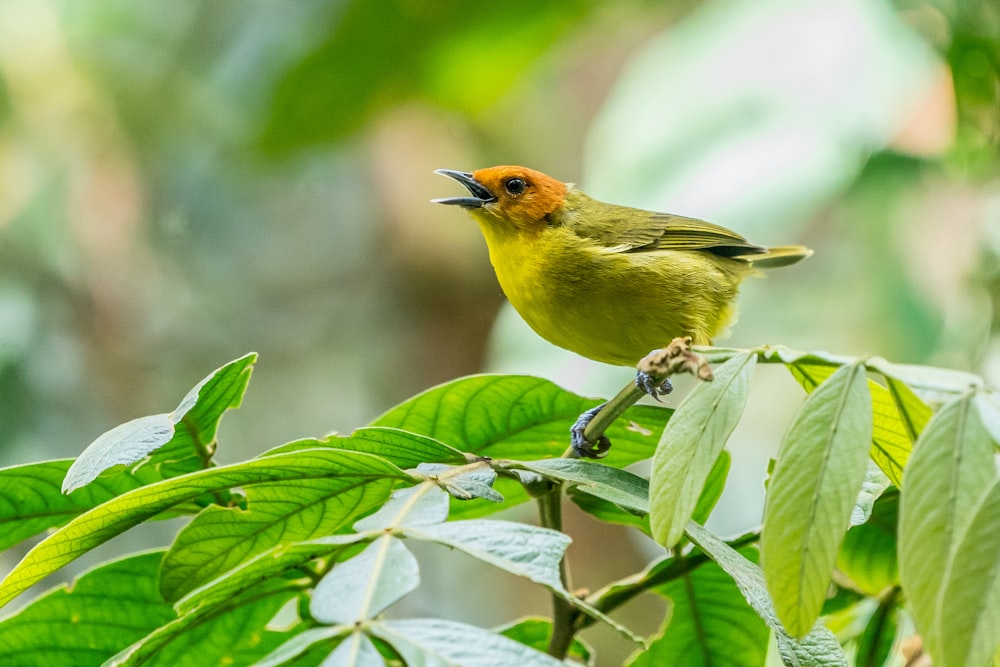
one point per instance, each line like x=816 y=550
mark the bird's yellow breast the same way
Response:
x=610 y=306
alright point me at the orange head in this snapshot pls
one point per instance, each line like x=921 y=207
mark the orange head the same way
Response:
x=516 y=194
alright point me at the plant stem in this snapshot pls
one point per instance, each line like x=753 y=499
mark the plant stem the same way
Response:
x=563 y=614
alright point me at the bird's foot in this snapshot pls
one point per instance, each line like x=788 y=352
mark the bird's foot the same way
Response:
x=654 y=388
x=585 y=449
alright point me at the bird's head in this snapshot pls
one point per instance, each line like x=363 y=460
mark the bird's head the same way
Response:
x=517 y=195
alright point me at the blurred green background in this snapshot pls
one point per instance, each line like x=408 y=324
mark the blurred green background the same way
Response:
x=183 y=182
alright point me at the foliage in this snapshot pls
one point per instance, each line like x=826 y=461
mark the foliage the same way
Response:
x=317 y=531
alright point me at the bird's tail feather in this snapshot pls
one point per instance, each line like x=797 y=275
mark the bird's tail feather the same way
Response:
x=779 y=256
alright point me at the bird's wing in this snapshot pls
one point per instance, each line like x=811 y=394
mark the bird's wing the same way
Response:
x=633 y=230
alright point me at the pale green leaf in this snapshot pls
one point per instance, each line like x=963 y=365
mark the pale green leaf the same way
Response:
x=816 y=480
x=419 y=505
x=365 y=585
x=691 y=444
x=440 y=643
x=521 y=549
x=535 y=631
x=969 y=616
x=951 y=468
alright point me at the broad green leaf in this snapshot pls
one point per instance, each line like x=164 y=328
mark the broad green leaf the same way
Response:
x=691 y=444
x=405 y=449
x=951 y=468
x=607 y=511
x=437 y=643
x=364 y=586
x=31 y=499
x=913 y=412
x=86 y=623
x=710 y=624
x=184 y=437
x=114 y=517
x=928 y=378
x=517 y=417
x=969 y=616
x=816 y=480
x=819 y=647
x=625 y=489
x=284 y=561
x=291 y=651
x=868 y=553
x=535 y=631
x=892 y=425
x=356 y=650
x=876 y=642
x=233 y=633
x=420 y=505
x=714 y=486
x=527 y=551
x=220 y=538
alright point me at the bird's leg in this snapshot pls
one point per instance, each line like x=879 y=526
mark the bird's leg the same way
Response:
x=587 y=437
x=582 y=447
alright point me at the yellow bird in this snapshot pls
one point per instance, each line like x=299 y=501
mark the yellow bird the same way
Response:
x=608 y=282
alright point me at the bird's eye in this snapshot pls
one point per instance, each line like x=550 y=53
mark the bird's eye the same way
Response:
x=515 y=186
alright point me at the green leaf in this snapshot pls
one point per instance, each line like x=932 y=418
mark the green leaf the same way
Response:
x=819 y=647
x=31 y=499
x=527 y=551
x=816 y=480
x=364 y=586
x=608 y=512
x=969 y=615
x=434 y=643
x=114 y=517
x=420 y=505
x=876 y=642
x=872 y=488
x=951 y=468
x=233 y=633
x=868 y=553
x=710 y=623
x=625 y=489
x=86 y=623
x=183 y=449
x=356 y=650
x=290 y=652
x=405 y=449
x=535 y=631
x=220 y=538
x=283 y=561
x=715 y=484
x=891 y=426
x=464 y=482
x=691 y=443
x=517 y=417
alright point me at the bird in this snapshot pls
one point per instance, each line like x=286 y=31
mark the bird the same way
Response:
x=608 y=282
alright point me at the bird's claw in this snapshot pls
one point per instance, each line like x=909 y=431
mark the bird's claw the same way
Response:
x=584 y=448
x=644 y=381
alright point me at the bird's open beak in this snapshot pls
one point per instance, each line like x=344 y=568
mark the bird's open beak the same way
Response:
x=480 y=194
